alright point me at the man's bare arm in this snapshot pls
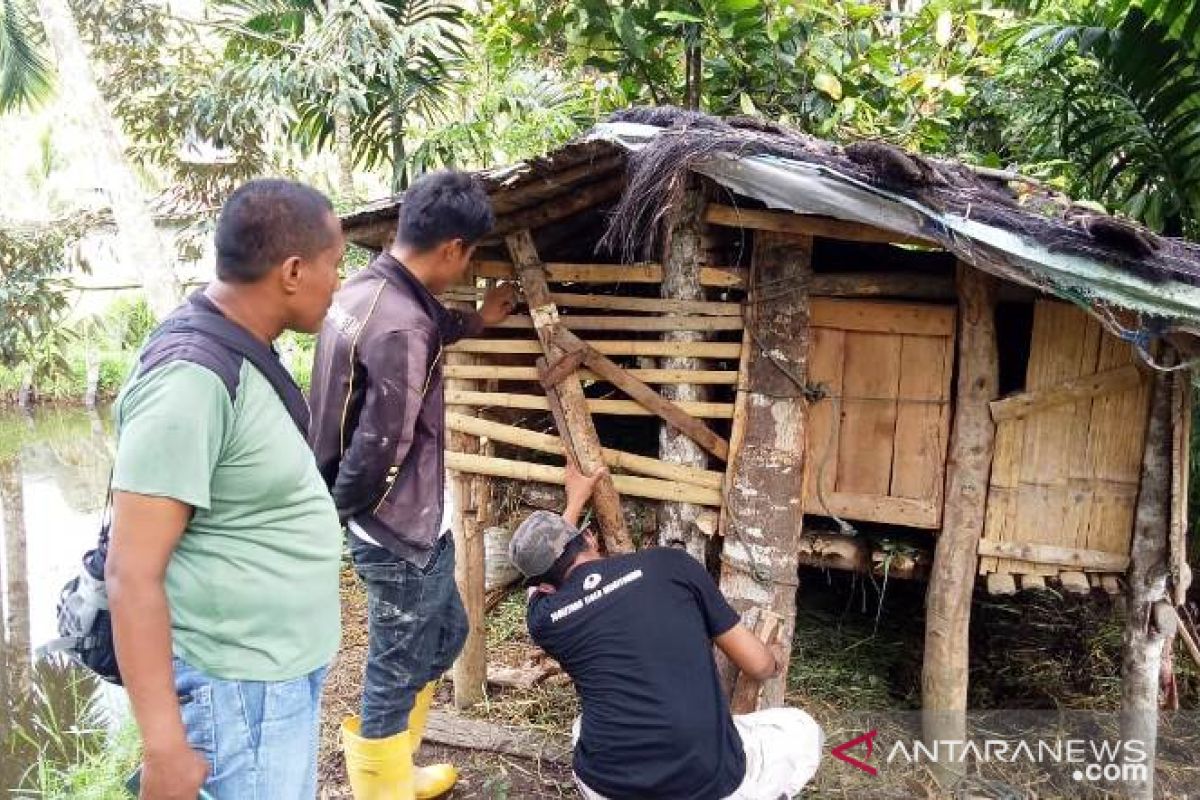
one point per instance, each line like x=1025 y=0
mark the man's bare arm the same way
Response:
x=748 y=653
x=145 y=532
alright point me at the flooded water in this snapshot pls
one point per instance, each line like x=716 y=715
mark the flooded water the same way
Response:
x=54 y=471
x=61 y=460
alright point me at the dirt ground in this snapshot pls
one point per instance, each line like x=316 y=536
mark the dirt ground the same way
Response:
x=855 y=652
x=483 y=775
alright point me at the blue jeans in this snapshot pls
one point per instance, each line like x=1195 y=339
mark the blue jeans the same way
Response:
x=259 y=737
x=417 y=626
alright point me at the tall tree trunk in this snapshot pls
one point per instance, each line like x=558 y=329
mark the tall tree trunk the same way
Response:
x=16 y=582
x=399 y=183
x=140 y=245
x=1150 y=622
x=764 y=505
x=683 y=256
x=693 y=71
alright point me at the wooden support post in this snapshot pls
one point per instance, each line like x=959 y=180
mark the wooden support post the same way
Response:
x=1151 y=621
x=470 y=668
x=579 y=433
x=764 y=499
x=683 y=257
x=952 y=579
x=745 y=692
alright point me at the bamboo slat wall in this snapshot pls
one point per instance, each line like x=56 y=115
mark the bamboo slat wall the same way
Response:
x=1065 y=472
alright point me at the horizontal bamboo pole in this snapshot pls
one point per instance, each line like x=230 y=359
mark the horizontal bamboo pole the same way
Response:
x=1091 y=560
x=584 y=322
x=612 y=273
x=807 y=225
x=488 y=372
x=728 y=350
x=626 y=408
x=651 y=467
x=631 y=485
x=612 y=302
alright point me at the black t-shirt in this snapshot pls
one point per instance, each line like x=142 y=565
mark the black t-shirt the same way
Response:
x=635 y=633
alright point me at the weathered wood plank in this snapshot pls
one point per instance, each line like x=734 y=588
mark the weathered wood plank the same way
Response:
x=1025 y=403
x=803 y=224
x=922 y=418
x=877 y=508
x=1083 y=560
x=876 y=316
x=826 y=354
x=724 y=277
x=870 y=384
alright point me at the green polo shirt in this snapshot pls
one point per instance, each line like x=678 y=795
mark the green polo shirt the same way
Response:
x=253 y=582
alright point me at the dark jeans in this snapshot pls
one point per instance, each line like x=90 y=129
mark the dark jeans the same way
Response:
x=417 y=626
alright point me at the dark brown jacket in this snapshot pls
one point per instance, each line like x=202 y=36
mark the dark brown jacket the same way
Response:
x=378 y=419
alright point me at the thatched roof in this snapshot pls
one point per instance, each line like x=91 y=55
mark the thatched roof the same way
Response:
x=1007 y=225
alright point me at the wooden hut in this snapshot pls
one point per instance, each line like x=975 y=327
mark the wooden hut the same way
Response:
x=784 y=343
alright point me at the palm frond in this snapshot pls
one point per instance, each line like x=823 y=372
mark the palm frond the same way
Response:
x=25 y=73
x=1131 y=118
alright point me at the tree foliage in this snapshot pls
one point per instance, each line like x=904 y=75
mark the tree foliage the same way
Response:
x=1124 y=91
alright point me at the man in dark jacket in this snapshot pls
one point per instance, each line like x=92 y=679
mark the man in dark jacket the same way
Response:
x=378 y=434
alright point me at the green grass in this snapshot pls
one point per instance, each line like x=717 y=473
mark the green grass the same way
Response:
x=99 y=777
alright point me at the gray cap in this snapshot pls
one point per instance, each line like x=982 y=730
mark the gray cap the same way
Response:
x=538 y=542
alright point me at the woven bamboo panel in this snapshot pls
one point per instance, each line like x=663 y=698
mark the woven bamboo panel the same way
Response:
x=877 y=440
x=1066 y=475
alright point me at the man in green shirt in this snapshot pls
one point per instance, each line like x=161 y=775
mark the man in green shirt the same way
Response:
x=223 y=564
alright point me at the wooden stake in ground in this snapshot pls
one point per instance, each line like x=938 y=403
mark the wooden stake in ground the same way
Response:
x=580 y=434
x=683 y=257
x=470 y=669
x=764 y=500
x=1151 y=619
x=952 y=579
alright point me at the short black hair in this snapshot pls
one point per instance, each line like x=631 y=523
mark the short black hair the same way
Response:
x=558 y=570
x=266 y=221
x=443 y=206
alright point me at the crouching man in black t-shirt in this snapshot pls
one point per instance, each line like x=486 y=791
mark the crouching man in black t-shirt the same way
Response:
x=635 y=633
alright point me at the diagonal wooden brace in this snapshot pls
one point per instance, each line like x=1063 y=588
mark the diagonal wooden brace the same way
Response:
x=552 y=375
x=651 y=400
x=574 y=422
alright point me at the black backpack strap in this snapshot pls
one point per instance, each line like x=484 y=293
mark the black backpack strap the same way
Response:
x=204 y=318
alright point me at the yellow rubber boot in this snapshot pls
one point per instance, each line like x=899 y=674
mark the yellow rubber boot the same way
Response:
x=436 y=779
x=379 y=769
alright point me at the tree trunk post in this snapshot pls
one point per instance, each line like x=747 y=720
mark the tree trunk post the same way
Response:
x=470 y=668
x=142 y=247
x=1151 y=620
x=18 y=647
x=952 y=578
x=764 y=498
x=683 y=256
